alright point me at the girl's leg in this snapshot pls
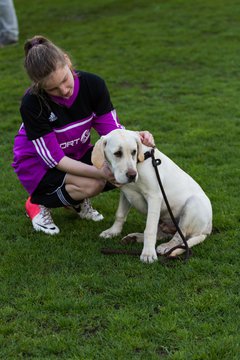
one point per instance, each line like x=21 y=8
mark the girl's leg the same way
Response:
x=58 y=190
x=80 y=188
x=8 y=23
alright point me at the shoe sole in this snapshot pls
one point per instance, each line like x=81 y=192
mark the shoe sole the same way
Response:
x=83 y=217
x=6 y=45
x=45 y=230
x=100 y=218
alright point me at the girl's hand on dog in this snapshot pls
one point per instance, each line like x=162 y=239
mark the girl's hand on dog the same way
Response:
x=147 y=138
x=108 y=175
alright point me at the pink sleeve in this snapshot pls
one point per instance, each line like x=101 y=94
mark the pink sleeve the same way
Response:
x=104 y=124
x=48 y=149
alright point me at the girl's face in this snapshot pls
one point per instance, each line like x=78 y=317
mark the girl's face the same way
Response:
x=60 y=82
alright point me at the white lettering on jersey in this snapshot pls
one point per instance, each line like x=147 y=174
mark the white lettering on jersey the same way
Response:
x=74 y=142
x=85 y=136
x=70 y=143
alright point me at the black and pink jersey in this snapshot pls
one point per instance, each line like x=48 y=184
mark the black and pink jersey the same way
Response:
x=54 y=127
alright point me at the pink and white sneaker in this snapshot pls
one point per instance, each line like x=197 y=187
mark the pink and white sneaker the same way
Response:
x=41 y=218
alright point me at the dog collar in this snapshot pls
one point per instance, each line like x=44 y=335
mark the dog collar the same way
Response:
x=147 y=155
x=150 y=154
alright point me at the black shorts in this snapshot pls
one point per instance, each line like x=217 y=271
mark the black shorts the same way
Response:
x=51 y=191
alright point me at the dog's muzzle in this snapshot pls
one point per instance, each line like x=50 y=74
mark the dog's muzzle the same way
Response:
x=131 y=175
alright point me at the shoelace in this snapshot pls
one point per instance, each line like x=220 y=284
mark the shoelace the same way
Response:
x=46 y=215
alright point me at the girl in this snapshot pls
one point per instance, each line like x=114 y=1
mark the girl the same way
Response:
x=52 y=150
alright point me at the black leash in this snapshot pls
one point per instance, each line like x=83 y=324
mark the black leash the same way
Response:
x=156 y=163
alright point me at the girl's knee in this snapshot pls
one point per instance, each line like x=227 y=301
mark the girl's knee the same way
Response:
x=96 y=188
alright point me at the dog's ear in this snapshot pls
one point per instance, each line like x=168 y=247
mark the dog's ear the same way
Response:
x=98 y=156
x=140 y=150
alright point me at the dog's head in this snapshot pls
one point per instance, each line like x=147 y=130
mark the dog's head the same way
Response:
x=122 y=149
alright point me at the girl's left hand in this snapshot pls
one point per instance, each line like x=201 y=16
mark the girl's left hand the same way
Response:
x=147 y=138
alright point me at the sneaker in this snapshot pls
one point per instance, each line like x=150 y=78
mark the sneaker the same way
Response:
x=86 y=211
x=41 y=218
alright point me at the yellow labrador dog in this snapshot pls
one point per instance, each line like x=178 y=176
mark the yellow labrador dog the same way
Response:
x=124 y=152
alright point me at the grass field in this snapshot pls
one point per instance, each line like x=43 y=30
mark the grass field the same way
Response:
x=172 y=68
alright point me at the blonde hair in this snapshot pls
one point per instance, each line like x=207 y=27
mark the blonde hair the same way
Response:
x=42 y=57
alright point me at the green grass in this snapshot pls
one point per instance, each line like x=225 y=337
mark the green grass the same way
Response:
x=172 y=67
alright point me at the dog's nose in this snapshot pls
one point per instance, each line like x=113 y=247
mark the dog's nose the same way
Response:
x=131 y=175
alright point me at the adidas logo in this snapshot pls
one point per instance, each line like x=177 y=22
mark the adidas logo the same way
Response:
x=52 y=117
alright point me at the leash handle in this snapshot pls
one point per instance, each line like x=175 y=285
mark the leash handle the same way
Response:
x=156 y=163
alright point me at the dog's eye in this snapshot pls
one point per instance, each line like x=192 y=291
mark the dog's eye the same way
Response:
x=118 y=153
x=134 y=153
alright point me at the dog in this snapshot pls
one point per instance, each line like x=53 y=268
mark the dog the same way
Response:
x=124 y=153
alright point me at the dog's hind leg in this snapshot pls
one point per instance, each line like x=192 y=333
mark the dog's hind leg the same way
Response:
x=139 y=237
x=132 y=238
x=177 y=240
x=194 y=223
x=195 y=240
x=164 y=231
x=166 y=247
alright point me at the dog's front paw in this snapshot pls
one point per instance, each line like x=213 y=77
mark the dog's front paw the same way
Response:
x=109 y=233
x=148 y=255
